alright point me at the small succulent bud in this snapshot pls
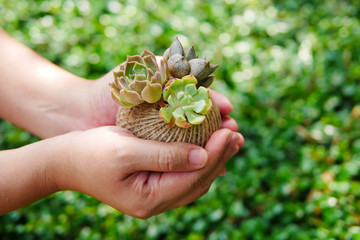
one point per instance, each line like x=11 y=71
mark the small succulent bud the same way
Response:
x=178 y=66
x=201 y=68
x=187 y=105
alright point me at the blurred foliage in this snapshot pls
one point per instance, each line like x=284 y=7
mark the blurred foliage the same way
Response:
x=290 y=67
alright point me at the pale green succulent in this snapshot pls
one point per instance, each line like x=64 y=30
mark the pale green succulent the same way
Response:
x=187 y=104
x=139 y=79
x=185 y=62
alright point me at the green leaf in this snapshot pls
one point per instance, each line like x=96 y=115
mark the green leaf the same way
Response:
x=190 y=89
x=189 y=79
x=180 y=94
x=130 y=96
x=166 y=114
x=118 y=99
x=177 y=85
x=152 y=92
x=202 y=93
x=200 y=106
x=194 y=118
x=150 y=62
x=137 y=86
x=179 y=115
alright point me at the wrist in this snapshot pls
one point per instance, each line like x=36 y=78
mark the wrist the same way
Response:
x=29 y=173
x=102 y=109
x=68 y=111
x=53 y=157
x=60 y=164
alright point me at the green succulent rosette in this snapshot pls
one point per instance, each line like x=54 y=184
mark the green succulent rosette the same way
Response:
x=182 y=62
x=187 y=104
x=139 y=80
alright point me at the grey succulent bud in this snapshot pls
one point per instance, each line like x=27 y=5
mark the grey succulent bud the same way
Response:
x=201 y=68
x=183 y=62
x=189 y=53
x=178 y=66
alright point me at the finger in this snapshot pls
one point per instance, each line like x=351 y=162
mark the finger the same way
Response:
x=192 y=183
x=222 y=102
x=230 y=123
x=242 y=140
x=223 y=172
x=231 y=149
x=236 y=148
x=146 y=155
x=223 y=157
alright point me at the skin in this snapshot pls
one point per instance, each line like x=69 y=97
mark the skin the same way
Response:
x=83 y=151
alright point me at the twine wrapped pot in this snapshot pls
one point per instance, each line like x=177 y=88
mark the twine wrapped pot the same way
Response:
x=144 y=122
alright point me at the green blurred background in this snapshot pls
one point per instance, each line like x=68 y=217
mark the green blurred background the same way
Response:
x=290 y=67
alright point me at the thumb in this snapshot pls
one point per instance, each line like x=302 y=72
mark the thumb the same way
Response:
x=168 y=157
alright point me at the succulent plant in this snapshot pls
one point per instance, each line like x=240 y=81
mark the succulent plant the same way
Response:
x=185 y=62
x=139 y=79
x=170 y=102
x=187 y=105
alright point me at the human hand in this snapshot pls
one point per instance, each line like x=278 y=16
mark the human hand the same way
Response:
x=139 y=177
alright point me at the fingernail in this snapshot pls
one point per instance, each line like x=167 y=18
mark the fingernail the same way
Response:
x=241 y=141
x=235 y=150
x=229 y=140
x=233 y=140
x=198 y=157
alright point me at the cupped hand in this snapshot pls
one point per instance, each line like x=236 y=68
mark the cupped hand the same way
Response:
x=140 y=177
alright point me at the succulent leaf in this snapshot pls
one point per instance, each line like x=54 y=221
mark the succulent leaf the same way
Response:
x=131 y=97
x=207 y=81
x=200 y=106
x=183 y=62
x=176 y=48
x=200 y=68
x=137 y=86
x=166 y=114
x=156 y=78
x=194 y=118
x=166 y=54
x=189 y=53
x=139 y=79
x=152 y=92
x=190 y=89
x=187 y=105
x=164 y=71
x=189 y=80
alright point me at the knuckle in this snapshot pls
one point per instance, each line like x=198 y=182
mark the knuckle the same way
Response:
x=149 y=202
x=205 y=189
x=143 y=213
x=202 y=186
x=168 y=159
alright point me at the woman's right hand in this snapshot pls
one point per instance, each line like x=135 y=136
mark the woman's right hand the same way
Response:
x=139 y=177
